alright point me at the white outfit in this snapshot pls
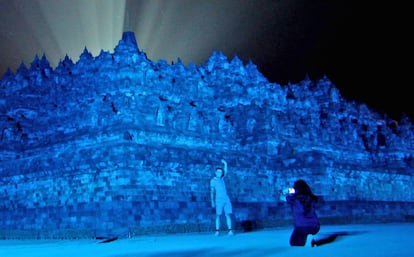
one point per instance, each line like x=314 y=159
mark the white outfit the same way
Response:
x=222 y=200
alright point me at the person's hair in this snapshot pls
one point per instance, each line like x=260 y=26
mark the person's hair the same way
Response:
x=222 y=171
x=304 y=194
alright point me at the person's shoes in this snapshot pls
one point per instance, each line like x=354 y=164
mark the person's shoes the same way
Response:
x=313 y=243
x=217 y=233
x=231 y=233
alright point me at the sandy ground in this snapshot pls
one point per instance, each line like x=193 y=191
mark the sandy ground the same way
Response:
x=359 y=240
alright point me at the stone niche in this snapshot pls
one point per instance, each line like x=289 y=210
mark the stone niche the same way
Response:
x=120 y=145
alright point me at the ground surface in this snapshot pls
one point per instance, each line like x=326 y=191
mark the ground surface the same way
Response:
x=356 y=240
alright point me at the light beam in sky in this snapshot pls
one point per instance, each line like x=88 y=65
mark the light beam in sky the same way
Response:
x=59 y=28
x=181 y=29
x=74 y=25
x=168 y=30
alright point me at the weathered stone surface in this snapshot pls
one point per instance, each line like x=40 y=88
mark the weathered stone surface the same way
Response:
x=119 y=144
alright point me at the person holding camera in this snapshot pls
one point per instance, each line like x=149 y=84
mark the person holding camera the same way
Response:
x=306 y=222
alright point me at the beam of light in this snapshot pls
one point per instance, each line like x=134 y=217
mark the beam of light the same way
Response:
x=190 y=30
x=60 y=27
x=186 y=29
x=76 y=24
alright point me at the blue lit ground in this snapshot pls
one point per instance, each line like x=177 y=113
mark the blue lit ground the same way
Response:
x=363 y=240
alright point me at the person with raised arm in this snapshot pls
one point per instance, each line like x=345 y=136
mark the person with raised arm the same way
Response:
x=220 y=199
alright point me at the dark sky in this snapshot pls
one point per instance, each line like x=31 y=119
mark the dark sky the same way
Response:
x=365 y=49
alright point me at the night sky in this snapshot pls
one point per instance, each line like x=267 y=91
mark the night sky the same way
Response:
x=365 y=49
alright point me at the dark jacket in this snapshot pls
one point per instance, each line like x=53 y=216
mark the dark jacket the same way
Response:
x=303 y=207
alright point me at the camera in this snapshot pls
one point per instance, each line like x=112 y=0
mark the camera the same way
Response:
x=288 y=190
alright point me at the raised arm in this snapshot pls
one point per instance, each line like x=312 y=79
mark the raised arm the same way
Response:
x=224 y=167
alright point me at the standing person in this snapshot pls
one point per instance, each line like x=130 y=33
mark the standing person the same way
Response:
x=219 y=198
x=306 y=222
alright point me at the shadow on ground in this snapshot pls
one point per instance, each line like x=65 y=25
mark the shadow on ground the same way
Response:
x=332 y=237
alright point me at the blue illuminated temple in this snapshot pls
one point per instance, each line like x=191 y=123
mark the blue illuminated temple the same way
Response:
x=120 y=145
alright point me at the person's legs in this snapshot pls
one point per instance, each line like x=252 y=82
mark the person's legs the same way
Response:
x=219 y=212
x=314 y=231
x=228 y=221
x=323 y=241
x=298 y=237
x=217 y=225
x=328 y=239
x=228 y=211
x=217 y=222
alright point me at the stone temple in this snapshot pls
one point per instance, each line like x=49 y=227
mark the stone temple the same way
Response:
x=118 y=144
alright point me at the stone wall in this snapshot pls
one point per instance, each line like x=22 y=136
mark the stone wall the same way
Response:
x=119 y=145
